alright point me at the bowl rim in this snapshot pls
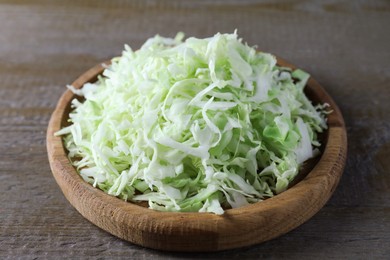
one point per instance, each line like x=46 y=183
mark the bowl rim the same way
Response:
x=193 y=231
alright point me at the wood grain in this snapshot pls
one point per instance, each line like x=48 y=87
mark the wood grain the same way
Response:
x=204 y=232
x=44 y=45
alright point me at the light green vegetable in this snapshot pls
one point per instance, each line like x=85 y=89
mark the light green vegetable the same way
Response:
x=199 y=125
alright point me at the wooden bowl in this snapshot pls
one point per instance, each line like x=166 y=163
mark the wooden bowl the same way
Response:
x=174 y=231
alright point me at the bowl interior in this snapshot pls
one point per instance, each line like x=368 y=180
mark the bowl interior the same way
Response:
x=305 y=168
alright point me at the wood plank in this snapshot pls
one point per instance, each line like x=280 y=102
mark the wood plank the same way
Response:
x=340 y=232
x=45 y=45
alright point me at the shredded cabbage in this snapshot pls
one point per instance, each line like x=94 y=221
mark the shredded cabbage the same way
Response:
x=197 y=125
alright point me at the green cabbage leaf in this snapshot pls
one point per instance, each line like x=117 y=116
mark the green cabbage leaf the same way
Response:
x=193 y=125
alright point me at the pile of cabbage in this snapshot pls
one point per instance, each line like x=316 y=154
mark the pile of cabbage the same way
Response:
x=200 y=125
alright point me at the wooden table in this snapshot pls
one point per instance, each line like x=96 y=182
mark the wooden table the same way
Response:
x=45 y=45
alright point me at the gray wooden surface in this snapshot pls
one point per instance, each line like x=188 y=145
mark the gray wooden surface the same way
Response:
x=45 y=45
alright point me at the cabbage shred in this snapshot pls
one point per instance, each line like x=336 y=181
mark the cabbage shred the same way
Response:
x=197 y=125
